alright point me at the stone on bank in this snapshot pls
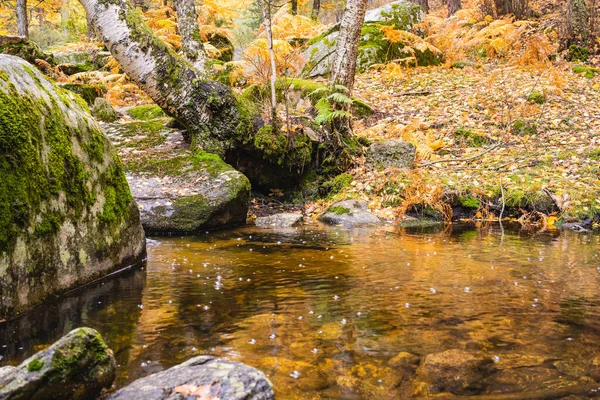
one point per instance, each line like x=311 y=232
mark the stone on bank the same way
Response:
x=67 y=216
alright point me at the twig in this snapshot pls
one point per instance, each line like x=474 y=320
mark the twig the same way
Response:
x=503 y=202
x=553 y=199
x=417 y=93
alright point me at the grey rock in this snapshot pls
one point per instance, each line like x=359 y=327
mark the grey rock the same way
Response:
x=383 y=13
x=391 y=153
x=455 y=371
x=72 y=219
x=349 y=213
x=278 y=221
x=78 y=366
x=74 y=62
x=103 y=111
x=215 y=377
x=202 y=196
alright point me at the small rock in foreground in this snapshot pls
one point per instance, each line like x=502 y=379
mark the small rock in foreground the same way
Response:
x=279 y=221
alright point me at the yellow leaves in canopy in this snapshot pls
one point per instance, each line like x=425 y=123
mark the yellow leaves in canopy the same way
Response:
x=287 y=26
x=288 y=59
x=222 y=10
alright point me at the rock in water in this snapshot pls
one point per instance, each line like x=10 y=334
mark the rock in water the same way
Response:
x=391 y=153
x=78 y=366
x=67 y=216
x=202 y=192
x=349 y=213
x=278 y=221
x=204 y=376
x=455 y=371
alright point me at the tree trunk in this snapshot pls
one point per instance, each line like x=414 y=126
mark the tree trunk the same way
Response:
x=343 y=68
x=519 y=8
x=187 y=20
x=453 y=7
x=578 y=21
x=316 y=7
x=294 y=7
x=266 y=14
x=22 y=26
x=423 y=3
x=207 y=109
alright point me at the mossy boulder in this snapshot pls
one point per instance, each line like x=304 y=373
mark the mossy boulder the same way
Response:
x=374 y=47
x=78 y=366
x=87 y=92
x=103 y=111
x=67 y=216
x=349 y=213
x=223 y=45
x=23 y=48
x=391 y=153
x=71 y=63
x=188 y=194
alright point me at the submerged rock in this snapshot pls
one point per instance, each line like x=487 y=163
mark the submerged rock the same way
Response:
x=204 y=377
x=349 y=213
x=278 y=221
x=103 y=111
x=67 y=216
x=78 y=366
x=198 y=192
x=391 y=153
x=455 y=371
x=374 y=48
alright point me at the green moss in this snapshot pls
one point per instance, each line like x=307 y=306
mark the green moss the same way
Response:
x=337 y=184
x=594 y=155
x=117 y=196
x=578 y=53
x=460 y=64
x=523 y=128
x=35 y=365
x=469 y=201
x=87 y=92
x=86 y=348
x=147 y=112
x=339 y=210
x=536 y=97
x=50 y=224
x=37 y=164
x=471 y=138
x=271 y=143
x=588 y=72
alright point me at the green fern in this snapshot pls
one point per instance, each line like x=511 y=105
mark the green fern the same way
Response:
x=332 y=104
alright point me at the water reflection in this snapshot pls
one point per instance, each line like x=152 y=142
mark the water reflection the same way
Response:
x=328 y=313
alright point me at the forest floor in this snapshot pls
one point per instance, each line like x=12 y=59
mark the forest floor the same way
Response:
x=488 y=133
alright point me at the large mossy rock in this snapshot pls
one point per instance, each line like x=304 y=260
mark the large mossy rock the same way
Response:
x=373 y=47
x=67 y=215
x=189 y=194
x=78 y=366
x=23 y=48
x=349 y=213
x=200 y=377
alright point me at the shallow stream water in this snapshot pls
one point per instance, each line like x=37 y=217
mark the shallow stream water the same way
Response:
x=322 y=311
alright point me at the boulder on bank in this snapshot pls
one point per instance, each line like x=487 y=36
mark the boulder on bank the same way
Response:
x=78 y=366
x=349 y=213
x=455 y=371
x=67 y=216
x=279 y=221
x=71 y=63
x=374 y=47
x=190 y=193
x=23 y=48
x=391 y=153
x=103 y=111
x=204 y=377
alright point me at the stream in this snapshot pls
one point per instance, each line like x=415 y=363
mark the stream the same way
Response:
x=325 y=311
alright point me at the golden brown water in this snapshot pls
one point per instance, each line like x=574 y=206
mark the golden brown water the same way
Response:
x=322 y=312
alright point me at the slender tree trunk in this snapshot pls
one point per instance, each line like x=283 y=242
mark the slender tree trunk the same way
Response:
x=40 y=17
x=316 y=7
x=423 y=3
x=22 y=25
x=191 y=45
x=520 y=8
x=266 y=14
x=294 y=7
x=453 y=7
x=343 y=68
x=578 y=21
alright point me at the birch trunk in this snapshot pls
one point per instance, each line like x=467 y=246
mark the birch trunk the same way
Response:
x=191 y=45
x=266 y=13
x=316 y=8
x=453 y=7
x=22 y=25
x=343 y=68
x=208 y=110
x=424 y=4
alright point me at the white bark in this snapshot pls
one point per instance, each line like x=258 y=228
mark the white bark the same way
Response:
x=266 y=14
x=343 y=68
x=187 y=20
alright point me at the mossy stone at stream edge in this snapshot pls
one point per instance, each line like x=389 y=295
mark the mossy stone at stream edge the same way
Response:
x=147 y=112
